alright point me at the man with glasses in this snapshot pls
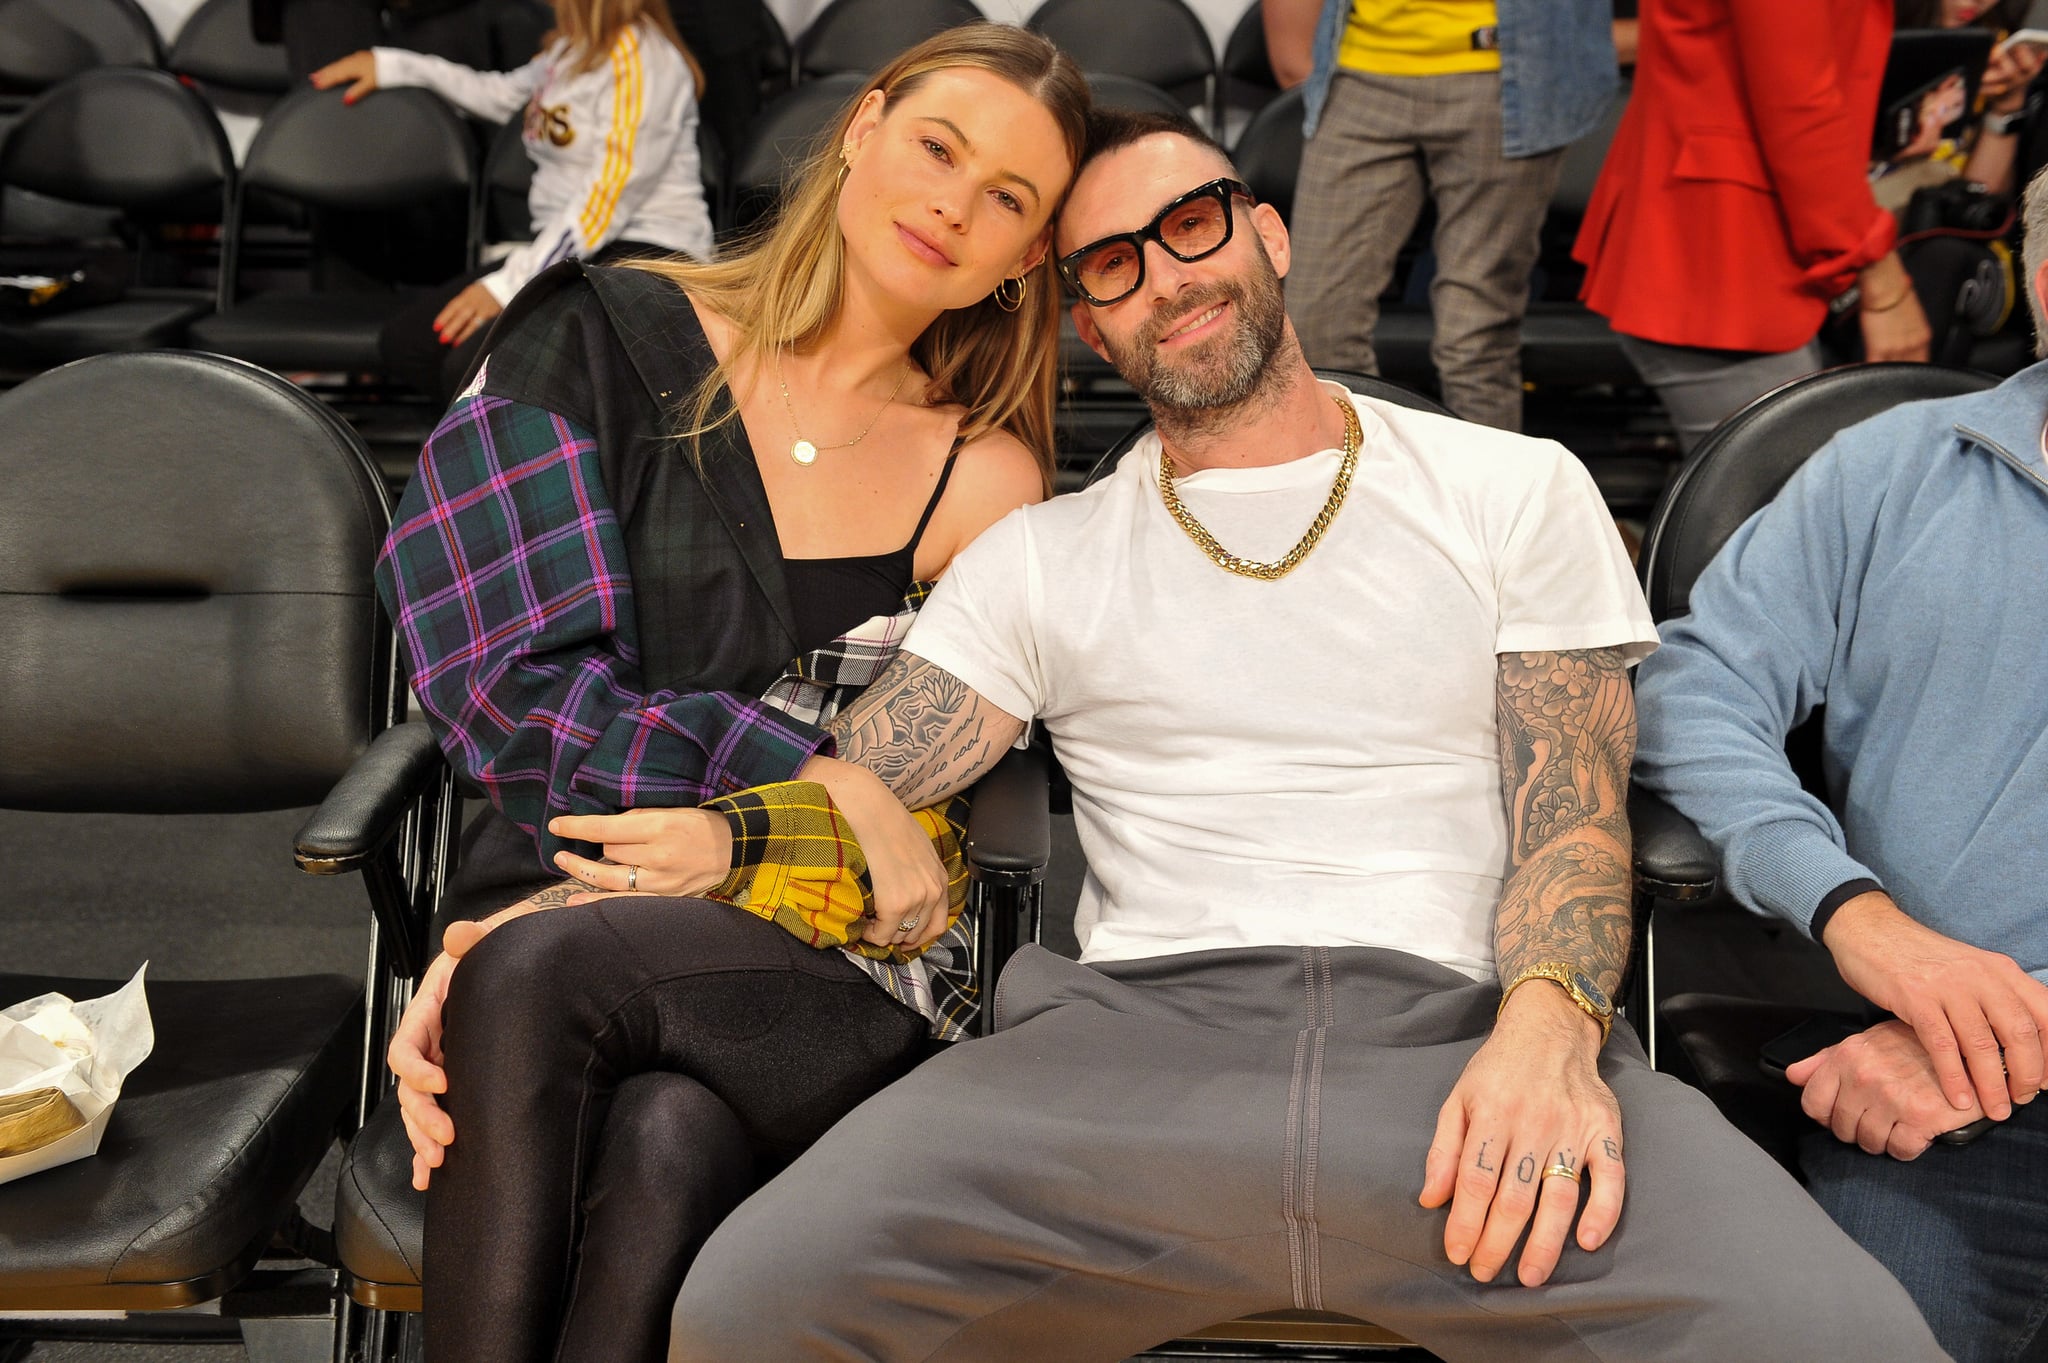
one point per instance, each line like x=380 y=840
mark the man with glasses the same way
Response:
x=1342 y=691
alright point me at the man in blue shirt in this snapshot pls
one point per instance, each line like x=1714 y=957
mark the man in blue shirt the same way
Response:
x=1897 y=580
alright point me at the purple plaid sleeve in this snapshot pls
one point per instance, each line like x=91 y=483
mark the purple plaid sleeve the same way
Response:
x=506 y=571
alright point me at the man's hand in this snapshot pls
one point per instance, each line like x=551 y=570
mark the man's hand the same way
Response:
x=1531 y=1099
x=648 y=851
x=415 y=1051
x=464 y=313
x=1878 y=1089
x=1963 y=1004
x=904 y=870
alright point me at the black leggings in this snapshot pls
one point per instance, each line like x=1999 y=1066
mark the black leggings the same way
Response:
x=621 y=1075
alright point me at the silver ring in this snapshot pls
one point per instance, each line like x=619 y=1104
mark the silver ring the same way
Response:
x=907 y=925
x=632 y=877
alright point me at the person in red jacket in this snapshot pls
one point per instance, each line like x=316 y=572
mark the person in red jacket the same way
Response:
x=1733 y=208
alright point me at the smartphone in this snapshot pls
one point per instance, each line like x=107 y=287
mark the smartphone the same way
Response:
x=1818 y=1033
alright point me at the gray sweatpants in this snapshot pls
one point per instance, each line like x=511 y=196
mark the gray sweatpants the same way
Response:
x=1156 y=1146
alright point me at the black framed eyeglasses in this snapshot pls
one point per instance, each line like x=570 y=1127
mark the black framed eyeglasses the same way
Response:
x=1195 y=225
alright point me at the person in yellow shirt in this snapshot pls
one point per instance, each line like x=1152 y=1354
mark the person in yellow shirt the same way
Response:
x=1466 y=102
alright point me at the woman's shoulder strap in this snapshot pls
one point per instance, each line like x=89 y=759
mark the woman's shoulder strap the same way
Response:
x=938 y=491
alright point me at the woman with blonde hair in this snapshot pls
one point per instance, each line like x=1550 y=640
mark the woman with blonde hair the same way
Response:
x=681 y=511
x=610 y=124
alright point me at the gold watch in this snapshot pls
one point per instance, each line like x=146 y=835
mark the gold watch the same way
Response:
x=1577 y=983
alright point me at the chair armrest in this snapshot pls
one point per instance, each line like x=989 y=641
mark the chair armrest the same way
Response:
x=366 y=806
x=1009 y=831
x=1672 y=860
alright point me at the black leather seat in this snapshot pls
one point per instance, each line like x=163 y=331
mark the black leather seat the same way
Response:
x=137 y=142
x=217 y=47
x=1112 y=90
x=787 y=131
x=1244 y=73
x=1736 y=470
x=394 y=150
x=860 y=37
x=46 y=41
x=1160 y=42
x=185 y=588
x=1268 y=151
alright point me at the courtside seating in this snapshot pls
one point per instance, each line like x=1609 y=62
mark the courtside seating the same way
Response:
x=185 y=588
x=393 y=150
x=139 y=143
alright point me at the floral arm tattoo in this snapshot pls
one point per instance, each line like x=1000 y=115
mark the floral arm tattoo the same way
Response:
x=925 y=732
x=1567 y=723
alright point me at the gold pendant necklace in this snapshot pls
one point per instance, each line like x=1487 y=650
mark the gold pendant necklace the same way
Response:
x=1250 y=567
x=803 y=451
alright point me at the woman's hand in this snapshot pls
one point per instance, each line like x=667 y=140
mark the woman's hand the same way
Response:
x=648 y=851
x=415 y=1054
x=1893 y=323
x=358 y=71
x=904 y=868
x=465 y=312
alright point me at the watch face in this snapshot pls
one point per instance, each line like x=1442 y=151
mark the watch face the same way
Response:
x=1595 y=995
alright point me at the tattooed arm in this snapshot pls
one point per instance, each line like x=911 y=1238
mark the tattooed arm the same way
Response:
x=925 y=732
x=1567 y=725
x=1530 y=1117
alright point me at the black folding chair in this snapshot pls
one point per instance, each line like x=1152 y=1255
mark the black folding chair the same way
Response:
x=788 y=130
x=185 y=588
x=1244 y=74
x=141 y=144
x=862 y=36
x=1268 y=151
x=393 y=151
x=46 y=41
x=1110 y=90
x=1160 y=42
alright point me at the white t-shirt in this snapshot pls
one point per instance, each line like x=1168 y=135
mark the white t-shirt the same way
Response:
x=1307 y=761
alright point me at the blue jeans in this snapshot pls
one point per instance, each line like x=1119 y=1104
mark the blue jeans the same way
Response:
x=1965 y=1228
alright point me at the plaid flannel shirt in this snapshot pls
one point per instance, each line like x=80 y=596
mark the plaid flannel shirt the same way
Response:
x=506 y=572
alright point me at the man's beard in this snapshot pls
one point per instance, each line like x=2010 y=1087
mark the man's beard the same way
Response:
x=1193 y=385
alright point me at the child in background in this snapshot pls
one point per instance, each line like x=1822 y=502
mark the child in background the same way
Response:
x=611 y=127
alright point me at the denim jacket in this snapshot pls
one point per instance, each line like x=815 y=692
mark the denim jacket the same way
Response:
x=1557 y=70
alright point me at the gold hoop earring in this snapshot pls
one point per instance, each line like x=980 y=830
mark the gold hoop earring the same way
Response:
x=1009 y=294
x=845 y=163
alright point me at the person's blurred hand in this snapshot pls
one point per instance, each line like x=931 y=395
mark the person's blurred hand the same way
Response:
x=358 y=71
x=465 y=312
x=2007 y=75
x=1894 y=324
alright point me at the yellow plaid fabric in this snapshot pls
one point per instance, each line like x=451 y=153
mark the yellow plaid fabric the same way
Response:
x=796 y=863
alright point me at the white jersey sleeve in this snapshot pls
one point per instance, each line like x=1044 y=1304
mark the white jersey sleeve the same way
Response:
x=649 y=105
x=493 y=96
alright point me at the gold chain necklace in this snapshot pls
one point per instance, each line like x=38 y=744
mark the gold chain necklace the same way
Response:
x=806 y=453
x=1248 y=567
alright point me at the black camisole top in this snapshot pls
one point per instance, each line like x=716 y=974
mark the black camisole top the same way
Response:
x=829 y=596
